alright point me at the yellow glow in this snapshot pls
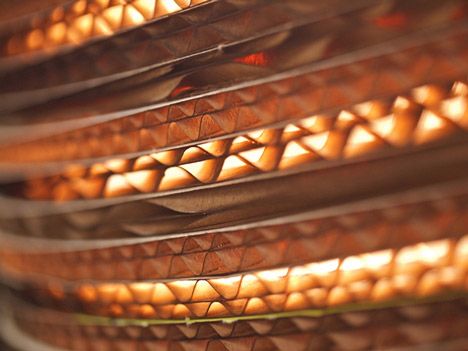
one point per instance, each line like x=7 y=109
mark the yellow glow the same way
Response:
x=113 y=16
x=145 y=7
x=273 y=275
x=241 y=156
x=406 y=256
x=142 y=291
x=256 y=134
x=233 y=162
x=117 y=165
x=144 y=181
x=352 y=263
x=377 y=260
x=383 y=126
x=423 y=269
x=202 y=170
x=431 y=253
x=144 y=162
x=402 y=103
x=242 y=140
x=84 y=24
x=216 y=148
x=85 y=19
x=183 y=284
x=324 y=268
x=294 y=149
x=254 y=155
x=117 y=185
x=360 y=135
x=462 y=247
x=430 y=120
x=195 y=168
x=428 y=95
x=317 y=141
x=460 y=89
x=167 y=158
x=317 y=124
x=162 y=294
x=455 y=108
x=101 y=27
x=347 y=117
x=191 y=154
x=168 y=6
x=132 y=17
x=175 y=177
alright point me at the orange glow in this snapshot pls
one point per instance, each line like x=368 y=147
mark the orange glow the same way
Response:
x=457 y=109
x=145 y=7
x=113 y=15
x=392 y=20
x=264 y=150
x=35 y=39
x=423 y=269
x=56 y=33
x=294 y=149
x=317 y=141
x=86 y=19
x=258 y=59
x=179 y=90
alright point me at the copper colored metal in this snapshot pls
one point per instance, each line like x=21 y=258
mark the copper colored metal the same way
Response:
x=421 y=270
x=433 y=169
x=428 y=114
x=386 y=328
x=234 y=251
x=237 y=176
x=80 y=20
x=257 y=106
x=195 y=35
x=142 y=92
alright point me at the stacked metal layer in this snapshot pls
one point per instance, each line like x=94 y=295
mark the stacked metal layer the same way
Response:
x=236 y=175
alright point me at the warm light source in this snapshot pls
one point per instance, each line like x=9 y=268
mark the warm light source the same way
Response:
x=423 y=269
x=266 y=150
x=86 y=19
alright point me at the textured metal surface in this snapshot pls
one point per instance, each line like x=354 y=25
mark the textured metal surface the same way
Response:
x=74 y=22
x=424 y=269
x=234 y=175
x=243 y=202
x=322 y=92
x=202 y=33
x=314 y=45
x=242 y=250
x=383 y=329
x=429 y=113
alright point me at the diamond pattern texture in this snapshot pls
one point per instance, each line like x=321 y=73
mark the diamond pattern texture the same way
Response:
x=425 y=269
x=160 y=42
x=142 y=91
x=429 y=113
x=84 y=19
x=382 y=329
x=256 y=106
x=260 y=247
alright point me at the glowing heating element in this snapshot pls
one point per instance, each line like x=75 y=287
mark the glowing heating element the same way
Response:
x=421 y=270
x=86 y=19
x=424 y=117
x=335 y=329
x=234 y=250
